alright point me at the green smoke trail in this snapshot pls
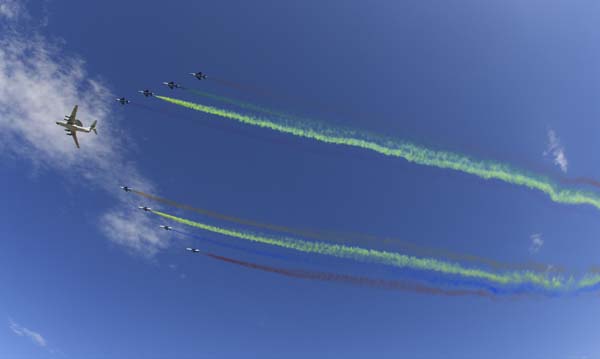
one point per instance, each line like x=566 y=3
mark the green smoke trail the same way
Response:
x=245 y=105
x=382 y=257
x=408 y=151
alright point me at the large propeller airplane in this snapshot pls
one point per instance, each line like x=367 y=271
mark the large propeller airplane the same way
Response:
x=72 y=125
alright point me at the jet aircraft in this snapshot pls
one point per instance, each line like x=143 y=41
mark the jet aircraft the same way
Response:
x=123 y=101
x=198 y=75
x=193 y=250
x=166 y=228
x=72 y=125
x=172 y=85
x=146 y=209
x=146 y=93
x=126 y=189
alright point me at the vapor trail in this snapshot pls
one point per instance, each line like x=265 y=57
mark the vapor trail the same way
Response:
x=354 y=280
x=410 y=152
x=383 y=257
x=347 y=237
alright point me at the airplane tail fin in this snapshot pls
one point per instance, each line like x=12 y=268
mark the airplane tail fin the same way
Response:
x=93 y=127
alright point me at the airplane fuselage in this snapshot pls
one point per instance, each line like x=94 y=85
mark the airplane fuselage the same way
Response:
x=72 y=128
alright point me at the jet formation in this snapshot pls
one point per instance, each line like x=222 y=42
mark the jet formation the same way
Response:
x=163 y=226
x=72 y=125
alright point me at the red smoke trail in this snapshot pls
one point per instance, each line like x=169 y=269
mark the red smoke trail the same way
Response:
x=243 y=87
x=323 y=107
x=355 y=280
x=582 y=180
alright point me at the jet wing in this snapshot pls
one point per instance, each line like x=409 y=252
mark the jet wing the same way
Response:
x=74 y=135
x=73 y=117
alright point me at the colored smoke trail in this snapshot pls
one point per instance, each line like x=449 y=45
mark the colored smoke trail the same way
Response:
x=410 y=152
x=230 y=246
x=244 y=105
x=583 y=180
x=278 y=96
x=354 y=280
x=383 y=257
x=345 y=238
x=228 y=218
x=239 y=86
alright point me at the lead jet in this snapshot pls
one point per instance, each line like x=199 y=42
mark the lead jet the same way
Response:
x=146 y=93
x=72 y=125
x=198 y=75
x=193 y=250
x=145 y=209
x=126 y=189
x=172 y=85
x=123 y=101
x=166 y=228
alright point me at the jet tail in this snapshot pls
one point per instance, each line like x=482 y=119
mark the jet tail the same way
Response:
x=93 y=127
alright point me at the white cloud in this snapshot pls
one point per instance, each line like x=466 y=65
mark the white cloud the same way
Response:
x=35 y=337
x=10 y=9
x=536 y=242
x=133 y=230
x=557 y=151
x=42 y=83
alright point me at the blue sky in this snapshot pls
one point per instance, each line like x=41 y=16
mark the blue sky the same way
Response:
x=84 y=275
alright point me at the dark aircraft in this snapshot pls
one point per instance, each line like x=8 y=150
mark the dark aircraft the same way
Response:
x=193 y=250
x=123 y=101
x=146 y=93
x=198 y=75
x=126 y=189
x=166 y=228
x=172 y=85
x=146 y=209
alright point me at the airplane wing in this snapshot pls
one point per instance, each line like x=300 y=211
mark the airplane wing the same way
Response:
x=74 y=135
x=73 y=117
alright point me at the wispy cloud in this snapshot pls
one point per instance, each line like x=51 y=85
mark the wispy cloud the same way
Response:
x=21 y=331
x=42 y=82
x=536 y=242
x=10 y=9
x=557 y=151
